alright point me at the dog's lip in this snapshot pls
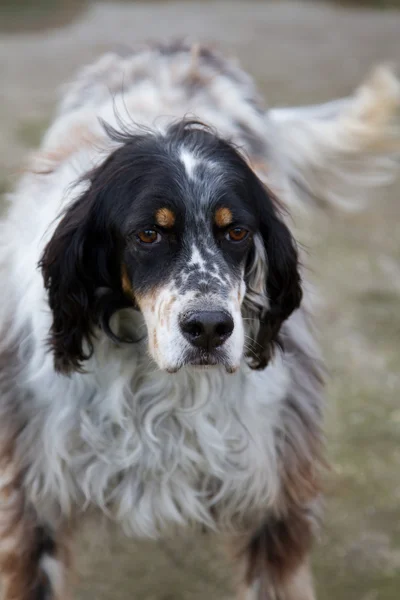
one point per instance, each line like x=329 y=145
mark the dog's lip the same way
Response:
x=204 y=362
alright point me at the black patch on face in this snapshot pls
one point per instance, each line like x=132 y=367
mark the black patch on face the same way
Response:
x=99 y=233
x=162 y=182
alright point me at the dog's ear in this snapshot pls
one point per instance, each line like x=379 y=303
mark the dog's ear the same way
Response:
x=83 y=262
x=273 y=278
x=82 y=281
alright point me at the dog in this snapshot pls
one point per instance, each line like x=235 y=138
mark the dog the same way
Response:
x=158 y=360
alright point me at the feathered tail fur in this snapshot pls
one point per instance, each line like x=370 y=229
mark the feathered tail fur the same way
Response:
x=339 y=153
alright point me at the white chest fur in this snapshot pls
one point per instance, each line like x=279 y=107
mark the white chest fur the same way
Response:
x=154 y=449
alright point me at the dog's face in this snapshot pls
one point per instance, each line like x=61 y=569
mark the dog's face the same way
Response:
x=180 y=228
x=184 y=265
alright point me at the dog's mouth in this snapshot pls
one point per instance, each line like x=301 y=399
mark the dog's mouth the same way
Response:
x=204 y=361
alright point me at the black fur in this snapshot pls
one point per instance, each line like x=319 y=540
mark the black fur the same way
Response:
x=283 y=278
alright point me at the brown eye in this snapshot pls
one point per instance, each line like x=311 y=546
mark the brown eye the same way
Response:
x=237 y=234
x=149 y=236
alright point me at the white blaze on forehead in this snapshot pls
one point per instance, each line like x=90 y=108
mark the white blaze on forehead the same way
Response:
x=189 y=161
x=197 y=259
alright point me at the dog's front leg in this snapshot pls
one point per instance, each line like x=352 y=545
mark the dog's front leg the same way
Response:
x=273 y=560
x=33 y=557
x=296 y=586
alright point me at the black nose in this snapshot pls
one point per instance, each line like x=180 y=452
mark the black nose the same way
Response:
x=207 y=329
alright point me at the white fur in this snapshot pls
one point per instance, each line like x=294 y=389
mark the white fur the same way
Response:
x=190 y=162
x=197 y=260
x=55 y=571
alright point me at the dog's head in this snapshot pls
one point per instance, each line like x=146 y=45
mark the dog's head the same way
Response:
x=179 y=227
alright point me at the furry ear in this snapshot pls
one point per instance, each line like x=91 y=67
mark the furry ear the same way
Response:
x=273 y=278
x=82 y=283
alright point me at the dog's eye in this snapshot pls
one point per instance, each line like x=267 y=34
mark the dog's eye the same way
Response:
x=149 y=236
x=237 y=234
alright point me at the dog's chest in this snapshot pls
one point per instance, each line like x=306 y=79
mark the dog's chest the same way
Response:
x=172 y=450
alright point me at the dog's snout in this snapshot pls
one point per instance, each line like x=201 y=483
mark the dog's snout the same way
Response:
x=207 y=329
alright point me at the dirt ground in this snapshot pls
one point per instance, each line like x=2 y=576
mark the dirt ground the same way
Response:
x=299 y=52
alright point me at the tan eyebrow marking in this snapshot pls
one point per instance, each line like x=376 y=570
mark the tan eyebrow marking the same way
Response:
x=223 y=217
x=165 y=217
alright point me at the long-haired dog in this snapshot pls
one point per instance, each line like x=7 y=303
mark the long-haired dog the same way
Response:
x=157 y=360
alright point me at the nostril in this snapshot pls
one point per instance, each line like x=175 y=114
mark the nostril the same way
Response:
x=225 y=328
x=193 y=328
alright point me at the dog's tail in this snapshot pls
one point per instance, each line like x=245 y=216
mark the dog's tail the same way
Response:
x=339 y=153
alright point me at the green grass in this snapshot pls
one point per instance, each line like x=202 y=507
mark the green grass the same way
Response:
x=29 y=132
x=369 y=3
x=4 y=185
x=28 y=15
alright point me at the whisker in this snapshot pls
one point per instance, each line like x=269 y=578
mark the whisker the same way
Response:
x=249 y=349
x=252 y=340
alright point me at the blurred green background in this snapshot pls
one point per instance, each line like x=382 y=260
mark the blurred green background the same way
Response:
x=36 y=14
x=299 y=52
